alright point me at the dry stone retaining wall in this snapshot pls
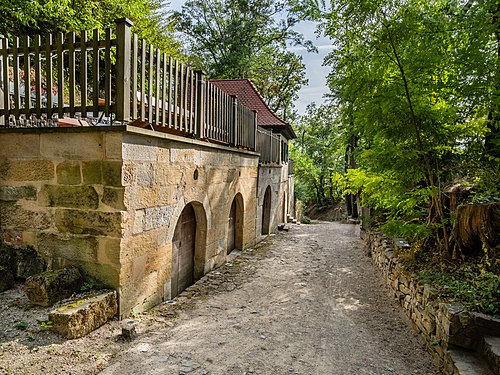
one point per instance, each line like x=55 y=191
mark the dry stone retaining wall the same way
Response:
x=444 y=326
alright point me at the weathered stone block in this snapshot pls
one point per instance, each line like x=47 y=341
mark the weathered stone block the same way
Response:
x=69 y=196
x=81 y=317
x=167 y=174
x=92 y=172
x=26 y=170
x=145 y=174
x=113 y=146
x=114 y=197
x=68 y=173
x=141 y=197
x=13 y=215
x=182 y=155
x=112 y=173
x=72 y=146
x=6 y=256
x=6 y=278
x=95 y=223
x=128 y=330
x=49 y=287
x=109 y=251
x=27 y=262
x=157 y=217
x=15 y=193
x=134 y=151
x=24 y=146
x=72 y=248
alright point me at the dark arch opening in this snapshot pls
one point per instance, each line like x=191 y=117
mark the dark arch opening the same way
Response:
x=266 y=212
x=235 y=225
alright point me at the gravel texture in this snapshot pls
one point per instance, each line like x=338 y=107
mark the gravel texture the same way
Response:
x=304 y=302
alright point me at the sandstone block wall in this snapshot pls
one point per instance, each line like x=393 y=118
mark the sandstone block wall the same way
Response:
x=275 y=177
x=61 y=194
x=107 y=201
x=161 y=175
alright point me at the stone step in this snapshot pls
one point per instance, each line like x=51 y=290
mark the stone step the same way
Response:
x=490 y=349
x=78 y=318
x=283 y=227
x=467 y=363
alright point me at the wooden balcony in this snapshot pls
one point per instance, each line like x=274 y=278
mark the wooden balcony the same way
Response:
x=88 y=79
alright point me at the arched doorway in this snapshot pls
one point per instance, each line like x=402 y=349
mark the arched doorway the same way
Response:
x=235 y=225
x=183 y=251
x=266 y=211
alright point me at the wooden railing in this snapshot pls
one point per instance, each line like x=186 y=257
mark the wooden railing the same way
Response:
x=112 y=79
x=269 y=147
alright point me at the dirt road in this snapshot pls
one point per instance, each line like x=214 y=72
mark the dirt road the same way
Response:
x=304 y=302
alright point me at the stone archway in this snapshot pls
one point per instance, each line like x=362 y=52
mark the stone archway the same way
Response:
x=266 y=212
x=188 y=248
x=235 y=224
x=183 y=249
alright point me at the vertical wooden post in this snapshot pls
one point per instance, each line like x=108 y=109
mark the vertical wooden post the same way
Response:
x=95 y=73
x=60 y=75
x=17 y=95
x=200 y=108
x=38 y=76
x=123 y=53
x=107 y=74
x=27 y=77
x=83 y=74
x=254 y=129
x=143 y=80
x=164 y=100
x=150 y=83
x=135 y=54
x=3 y=91
x=234 y=138
x=72 y=73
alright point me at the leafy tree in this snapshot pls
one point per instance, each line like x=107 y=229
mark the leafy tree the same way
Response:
x=243 y=39
x=416 y=111
x=318 y=155
x=21 y=17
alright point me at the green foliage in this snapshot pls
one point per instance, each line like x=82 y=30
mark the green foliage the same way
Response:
x=86 y=286
x=21 y=325
x=318 y=155
x=46 y=324
x=400 y=228
x=247 y=39
x=476 y=289
x=417 y=84
x=305 y=220
x=20 y=17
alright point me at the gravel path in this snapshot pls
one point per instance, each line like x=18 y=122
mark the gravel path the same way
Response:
x=304 y=302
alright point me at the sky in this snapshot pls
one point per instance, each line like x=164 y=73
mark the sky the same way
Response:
x=315 y=72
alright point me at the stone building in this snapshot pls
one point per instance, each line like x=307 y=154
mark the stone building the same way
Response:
x=149 y=209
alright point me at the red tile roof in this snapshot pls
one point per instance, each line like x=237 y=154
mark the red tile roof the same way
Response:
x=248 y=95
